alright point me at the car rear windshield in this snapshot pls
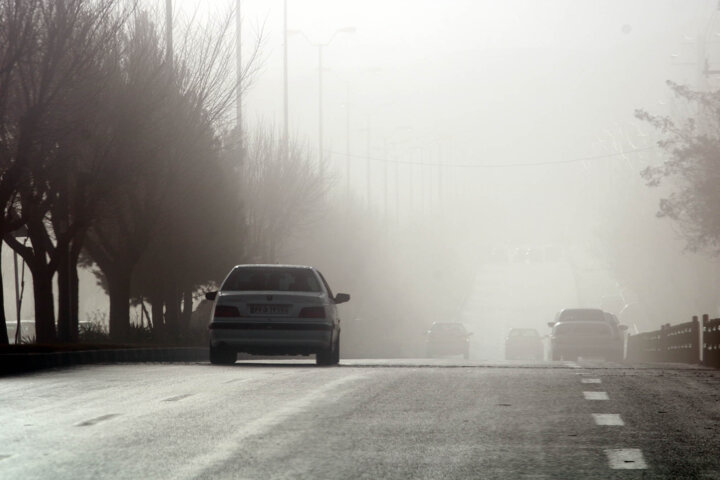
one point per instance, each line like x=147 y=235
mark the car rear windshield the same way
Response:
x=523 y=332
x=254 y=279
x=448 y=328
x=581 y=315
x=583 y=329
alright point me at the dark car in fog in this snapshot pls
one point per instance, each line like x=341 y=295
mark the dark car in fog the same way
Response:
x=275 y=310
x=587 y=339
x=590 y=315
x=447 y=338
x=523 y=344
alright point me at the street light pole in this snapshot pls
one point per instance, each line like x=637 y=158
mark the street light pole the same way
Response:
x=285 y=82
x=238 y=54
x=169 y=31
x=320 y=47
x=320 y=110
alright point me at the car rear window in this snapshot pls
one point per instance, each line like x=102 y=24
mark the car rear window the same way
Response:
x=582 y=316
x=583 y=329
x=448 y=328
x=523 y=332
x=261 y=279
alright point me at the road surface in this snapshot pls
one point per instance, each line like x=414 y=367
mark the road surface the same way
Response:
x=379 y=419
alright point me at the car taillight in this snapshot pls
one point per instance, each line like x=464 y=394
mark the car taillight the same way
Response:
x=226 y=311
x=312 y=312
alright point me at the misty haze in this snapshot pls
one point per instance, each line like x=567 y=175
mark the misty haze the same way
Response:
x=380 y=239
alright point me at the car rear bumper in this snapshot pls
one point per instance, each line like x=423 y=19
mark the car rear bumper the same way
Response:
x=607 y=351
x=273 y=338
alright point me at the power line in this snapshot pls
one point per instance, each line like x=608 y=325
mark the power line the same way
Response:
x=497 y=165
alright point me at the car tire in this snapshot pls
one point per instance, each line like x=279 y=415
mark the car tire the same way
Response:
x=323 y=357
x=222 y=356
x=336 y=352
x=329 y=356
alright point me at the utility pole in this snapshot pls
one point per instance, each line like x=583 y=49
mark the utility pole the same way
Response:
x=367 y=164
x=347 y=141
x=169 y=32
x=320 y=47
x=385 y=180
x=320 y=111
x=285 y=83
x=238 y=54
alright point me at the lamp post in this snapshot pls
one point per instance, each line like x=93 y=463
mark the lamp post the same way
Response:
x=320 y=47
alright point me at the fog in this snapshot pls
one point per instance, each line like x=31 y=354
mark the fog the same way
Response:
x=484 y=158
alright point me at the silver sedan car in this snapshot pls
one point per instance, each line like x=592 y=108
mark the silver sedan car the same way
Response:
x=275 y=310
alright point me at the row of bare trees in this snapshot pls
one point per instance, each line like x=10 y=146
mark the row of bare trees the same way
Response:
x=113 y=154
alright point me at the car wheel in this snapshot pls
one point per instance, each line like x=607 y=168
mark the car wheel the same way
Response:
x=323 y=357
x=222 y=356
x=336 y=352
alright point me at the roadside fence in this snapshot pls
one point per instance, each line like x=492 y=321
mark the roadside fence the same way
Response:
x=691 y=342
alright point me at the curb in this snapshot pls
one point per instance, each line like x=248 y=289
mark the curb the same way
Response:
x=14 y=363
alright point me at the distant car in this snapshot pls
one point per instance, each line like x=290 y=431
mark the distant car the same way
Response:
x=275 y=310
x=523 y=343
x=589 y=315
x=573 y=339
x=448 y=338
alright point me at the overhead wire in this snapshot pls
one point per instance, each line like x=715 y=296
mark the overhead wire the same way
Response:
x=496 y=165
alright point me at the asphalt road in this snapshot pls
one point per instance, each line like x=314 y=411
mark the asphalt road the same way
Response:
x=413 y=419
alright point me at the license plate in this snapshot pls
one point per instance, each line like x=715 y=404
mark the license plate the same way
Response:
x=269 y=309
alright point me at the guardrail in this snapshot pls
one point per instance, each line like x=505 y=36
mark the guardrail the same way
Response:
x=711 y=342
x=690 y=342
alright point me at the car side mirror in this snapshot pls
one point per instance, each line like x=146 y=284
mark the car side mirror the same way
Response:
x=210 y=295
x=551 y=324
x=342 y=298
x=623 y=328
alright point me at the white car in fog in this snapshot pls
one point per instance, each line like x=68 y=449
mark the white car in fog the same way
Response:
x=275 y=310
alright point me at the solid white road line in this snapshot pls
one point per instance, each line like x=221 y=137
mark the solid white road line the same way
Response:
x=611 y=419
x=596 y=396
x=626 y=459
x=590 y=380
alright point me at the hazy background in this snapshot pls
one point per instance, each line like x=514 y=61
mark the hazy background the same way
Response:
x=497 y=129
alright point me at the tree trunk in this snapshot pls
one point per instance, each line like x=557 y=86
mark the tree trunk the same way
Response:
x=3 y=321
x=68 y=298
x=187 y=310
x=44 y=305
x=119 y=289
x=156 y=305
x=172 y=311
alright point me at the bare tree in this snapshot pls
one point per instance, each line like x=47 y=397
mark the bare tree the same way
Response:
x=692 y=168
x=67 y=37
x=173 y=118
x=282 y=194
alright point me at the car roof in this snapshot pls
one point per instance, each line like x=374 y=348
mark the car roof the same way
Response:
x=272 y=265
x=583 y=322
x=580 y=310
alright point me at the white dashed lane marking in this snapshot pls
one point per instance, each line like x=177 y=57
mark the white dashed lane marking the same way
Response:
x=626 y=459
x=590 y=380
x=596 y=396
x=611 y=419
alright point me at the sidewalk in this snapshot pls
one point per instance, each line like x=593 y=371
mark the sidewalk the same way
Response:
x=14 y=363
